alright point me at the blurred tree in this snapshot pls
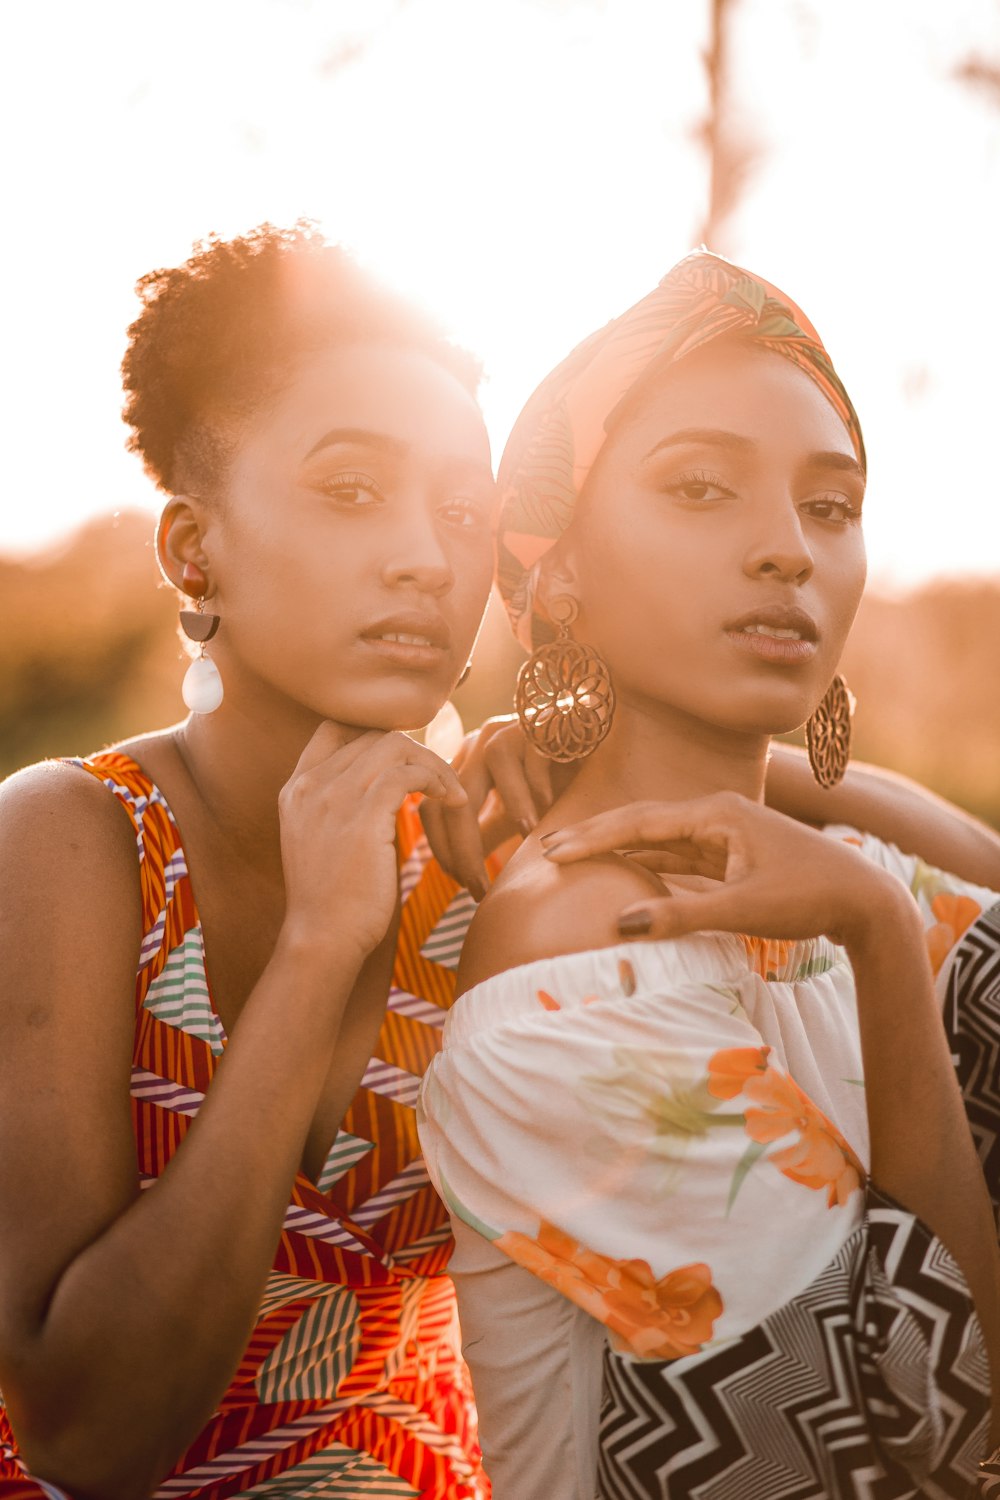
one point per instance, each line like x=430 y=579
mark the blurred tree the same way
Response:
x=981 y=75
x=724 y=136
x=87 y=645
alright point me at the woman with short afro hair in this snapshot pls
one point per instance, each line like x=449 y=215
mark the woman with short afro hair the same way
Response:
x=222 y=1262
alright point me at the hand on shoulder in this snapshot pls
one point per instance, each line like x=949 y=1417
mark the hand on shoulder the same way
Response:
x=537 y=909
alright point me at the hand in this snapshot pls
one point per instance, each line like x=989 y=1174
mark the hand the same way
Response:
x=772 y=877
x=509 y=786
x=338 y=830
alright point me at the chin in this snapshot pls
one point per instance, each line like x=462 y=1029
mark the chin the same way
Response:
x=394 y=705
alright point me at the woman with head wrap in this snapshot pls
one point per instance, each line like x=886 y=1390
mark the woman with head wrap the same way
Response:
x=695 y=1255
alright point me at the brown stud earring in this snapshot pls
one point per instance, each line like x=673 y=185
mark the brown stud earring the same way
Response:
x=828 y=734
x=202 y=686
x=565 y=698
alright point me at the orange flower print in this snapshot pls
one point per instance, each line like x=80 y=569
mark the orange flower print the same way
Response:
x=549 y=1002
x=768 y=956
x=651 y=1319
x=731 y=1069
x=820 y=1157
x=954 y=915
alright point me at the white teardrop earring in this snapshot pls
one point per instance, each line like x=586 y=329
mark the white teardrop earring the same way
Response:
x=201 y=689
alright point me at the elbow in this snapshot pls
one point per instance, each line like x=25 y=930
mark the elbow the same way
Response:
x=89 y=1458
x=85 y=1474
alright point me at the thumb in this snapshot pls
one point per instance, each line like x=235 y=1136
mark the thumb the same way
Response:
x=673 y=917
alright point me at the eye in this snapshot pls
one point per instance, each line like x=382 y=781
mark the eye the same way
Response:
x=836 y=508
x=351 y=490
x=462 y=512
x=699 y=487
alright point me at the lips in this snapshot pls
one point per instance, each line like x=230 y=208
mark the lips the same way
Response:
x=779 y=634
x=410 y=628
x=776 y=622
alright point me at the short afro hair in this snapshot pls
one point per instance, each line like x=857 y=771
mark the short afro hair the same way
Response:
x=218 y=335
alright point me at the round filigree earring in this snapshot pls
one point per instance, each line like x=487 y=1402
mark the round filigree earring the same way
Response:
x=202 y=686
x=828 y=733
x=565 y=699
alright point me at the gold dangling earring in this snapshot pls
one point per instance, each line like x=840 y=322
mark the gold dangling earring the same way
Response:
x=565 y=699
x=828 y=733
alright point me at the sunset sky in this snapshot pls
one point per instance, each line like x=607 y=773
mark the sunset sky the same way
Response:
x=528 y=168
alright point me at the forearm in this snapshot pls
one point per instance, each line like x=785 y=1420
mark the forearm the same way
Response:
x=146 y=1326
x=922 y=1152
x=892 y=808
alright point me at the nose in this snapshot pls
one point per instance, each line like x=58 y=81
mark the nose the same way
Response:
x=419 y=559
x=778 y=548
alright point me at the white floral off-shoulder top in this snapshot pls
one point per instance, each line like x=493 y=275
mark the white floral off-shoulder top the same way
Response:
x=674 y=1276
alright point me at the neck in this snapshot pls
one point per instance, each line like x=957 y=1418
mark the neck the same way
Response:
x=660 y=754
x=237 y=760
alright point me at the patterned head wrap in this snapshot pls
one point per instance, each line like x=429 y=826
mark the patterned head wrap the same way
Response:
x=563 y=427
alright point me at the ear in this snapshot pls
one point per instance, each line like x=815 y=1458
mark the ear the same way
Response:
x=179 y=540
x=557 y=575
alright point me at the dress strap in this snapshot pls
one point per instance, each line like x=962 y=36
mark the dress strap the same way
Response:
x=168 y=909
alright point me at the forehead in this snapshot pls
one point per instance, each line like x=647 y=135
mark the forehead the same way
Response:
x=400 y=394
x=740 y=387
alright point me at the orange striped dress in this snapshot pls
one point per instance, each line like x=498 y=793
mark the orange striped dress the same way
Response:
x=352 y=1384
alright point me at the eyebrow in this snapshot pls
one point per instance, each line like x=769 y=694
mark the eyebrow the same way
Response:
x=361 y=436
x=719 y=437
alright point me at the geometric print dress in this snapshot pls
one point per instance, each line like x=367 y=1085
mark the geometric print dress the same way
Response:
x=675 y=1278
x=353 y=1383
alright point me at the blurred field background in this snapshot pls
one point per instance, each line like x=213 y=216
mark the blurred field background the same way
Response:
x=528 y=167
x=89 y=653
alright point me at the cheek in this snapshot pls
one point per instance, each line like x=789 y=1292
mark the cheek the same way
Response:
x=637 y=575
x=851 y=576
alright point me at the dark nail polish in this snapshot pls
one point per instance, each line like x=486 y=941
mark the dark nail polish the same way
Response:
x=635 y=923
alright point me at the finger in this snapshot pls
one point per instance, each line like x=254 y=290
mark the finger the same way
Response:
x=465 y=849
x=506 y=762
x=538 y=773
x=679 y=915
x=435 y=825
x=399 y=749
x=336 y=740
x=474 y=775
x=667 y=862
x=684 y=856
x=392 y=786
x=642 y=825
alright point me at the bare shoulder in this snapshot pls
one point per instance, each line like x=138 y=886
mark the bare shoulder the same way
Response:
x=540 y=910
x=68 y=851
x=70 y=936
x=56 y=804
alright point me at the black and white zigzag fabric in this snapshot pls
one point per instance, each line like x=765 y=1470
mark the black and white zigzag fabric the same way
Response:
x=872 y=1384
x=972 y=1017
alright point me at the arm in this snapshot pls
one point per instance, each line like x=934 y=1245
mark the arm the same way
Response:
x=124 y=1315
x=922 y=1150
x=511 y=785
x=893 y=808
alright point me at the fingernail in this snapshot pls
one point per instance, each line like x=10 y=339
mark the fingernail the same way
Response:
x=543 y=838
x=635 y=923
x=477 y=890
x=525 y=825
